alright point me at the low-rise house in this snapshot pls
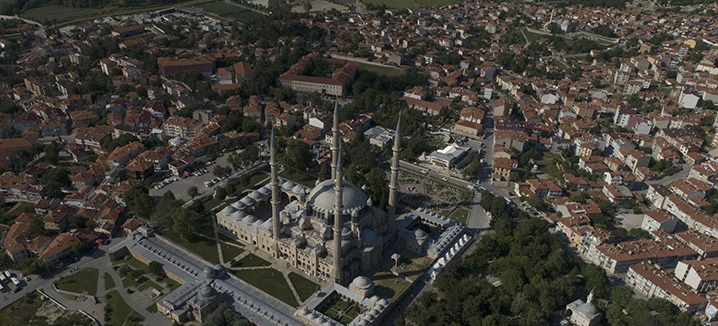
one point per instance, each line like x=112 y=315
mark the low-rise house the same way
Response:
x=616 y=193
x=59 y=248
x=121 y=155
x=57 y=219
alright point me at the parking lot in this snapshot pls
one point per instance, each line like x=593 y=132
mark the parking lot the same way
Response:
x=179 y=185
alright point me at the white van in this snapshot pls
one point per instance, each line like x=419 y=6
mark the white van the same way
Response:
x=15 y=281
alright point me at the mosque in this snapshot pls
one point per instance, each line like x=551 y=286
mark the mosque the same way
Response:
x=332 y=232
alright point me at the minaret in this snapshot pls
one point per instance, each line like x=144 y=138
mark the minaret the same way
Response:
x=335 y=139
x=338 y=189
x=394 y=181
x=276 y=225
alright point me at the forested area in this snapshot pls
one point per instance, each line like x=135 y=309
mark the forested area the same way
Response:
x=538 y=277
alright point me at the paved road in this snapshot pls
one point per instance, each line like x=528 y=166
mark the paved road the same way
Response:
x=680 y=175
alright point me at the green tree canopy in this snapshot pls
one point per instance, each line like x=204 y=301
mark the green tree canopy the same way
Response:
x=139 y=202
x=296 y=156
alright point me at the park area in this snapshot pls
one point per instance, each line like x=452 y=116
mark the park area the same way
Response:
x=401 y=4
x=117 y=312
x=340 y=310
x=305 y=288
x=270 y=281
x=438 y=196
x=229 y=11
x=82 y=282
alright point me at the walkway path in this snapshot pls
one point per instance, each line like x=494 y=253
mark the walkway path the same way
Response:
x=291 y=286
x=150 y=318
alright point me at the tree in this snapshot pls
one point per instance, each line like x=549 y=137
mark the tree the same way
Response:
x=307 y=6
x=160 y=217
x=296 y=156
x=156 y=268
x=220 y=193
x=79 y=248
x=184 y=222
x=32 y=266
x=222 y=171
x=76 y=222
x=192 y=191
x=225 y=316
x=474 y=168
x=55 y=180
x=35 y=228
x=139 y=201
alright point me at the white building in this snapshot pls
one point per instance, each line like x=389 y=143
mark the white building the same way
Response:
x=700 y=275
x=449 y=157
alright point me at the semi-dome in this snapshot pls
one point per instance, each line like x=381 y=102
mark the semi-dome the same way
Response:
x=362 y=282
x=420 y=234
x=208 y=293
x=209 y=272
x=322 y=197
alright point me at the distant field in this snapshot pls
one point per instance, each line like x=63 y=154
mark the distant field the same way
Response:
x=57 y=12
x=229 y=11
x=401 y=4
x=388 y=71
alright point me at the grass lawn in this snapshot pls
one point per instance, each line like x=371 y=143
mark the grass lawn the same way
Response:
x=270 y=281
x=219 y=8
x=401 y=4
x=299 y=177
x=109 y=282
x=60 y=13
x=211 y=203
x=84 y=281
x=340 y=310
x=132 y=282
x=117 y=312
x=251 y=260
x=226 y=238
x=170 y=284
x=229 y=11
x=305 y=288
x=22 y=312
x=531 y=36
x=229 y=252
x=149 y=284
x=202 y=247
x=388 y=71
x=135 y=264
x=461 y=214
x=388 y=285
x=253 y=180
x=152 y=308
x=244 y=16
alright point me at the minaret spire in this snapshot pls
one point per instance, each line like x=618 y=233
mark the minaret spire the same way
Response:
x=338 y=190
x=394 y=182
x=276 y=224
x=335 y=138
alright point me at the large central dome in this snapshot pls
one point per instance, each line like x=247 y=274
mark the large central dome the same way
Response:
x=322 y=197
